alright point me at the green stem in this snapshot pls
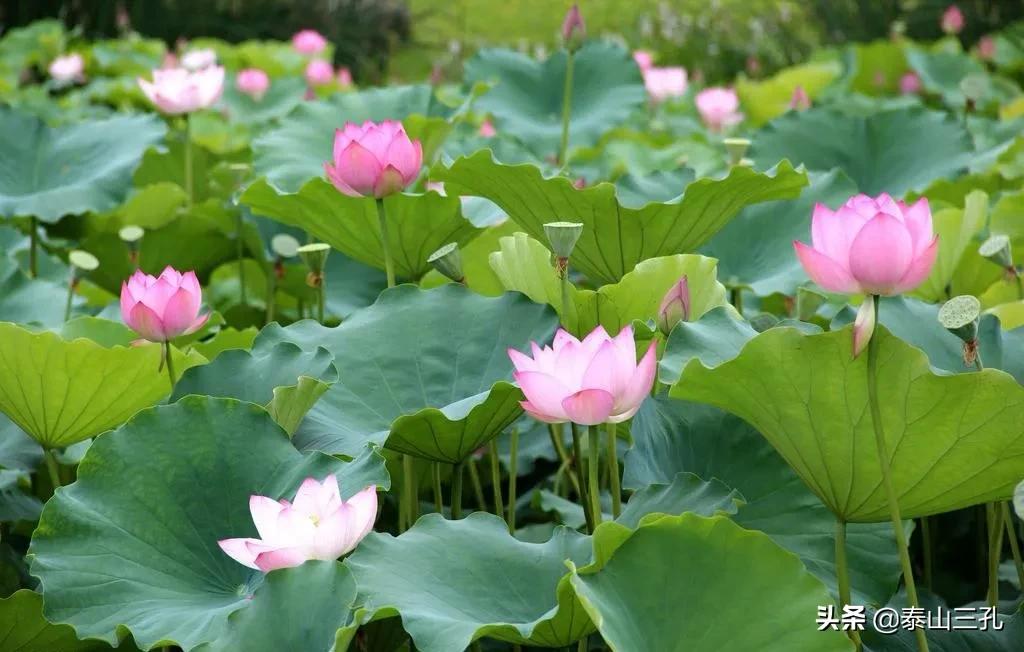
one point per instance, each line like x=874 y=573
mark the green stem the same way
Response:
x=1011 y=534
x=577 y=456
x=52 y=468
x=613 y=471
x=389 y=265
x=1020 y=284
x=555 y=431
x=271 y=292
x=240 y=247
x=33 y=246
x=438 y=500
x=499 y=506
x=478 y=487
x=926 y=544
x=563 y=149
x=71 y=295
x=736 y=299
x=567 y=305
x=411 y=498
x=188 y=161
x=321 y=297
x=581 y=645
x=512 y=470
x=843 y=574
x=593 y=473
x=883 y=462
x=169 y=363
x=457 y=491
x=994 y=520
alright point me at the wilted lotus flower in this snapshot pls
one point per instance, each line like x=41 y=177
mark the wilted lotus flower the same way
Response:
x=675 y=306
x=663 y=83
x=487 y=129
x=594 y=381
x=317 y=525
x=199 y=59
x=319 y=72
x=800 y=101
x=67 y=69
x=871 y=245
x=987 y=48
x=344 y=77
x=643 y=59
x=253 y=82
x=309 y=41
x=374 y=160
x=952 y=20
x=162 y=308
x=176 y=90
x=910 y=84
x=718 y=107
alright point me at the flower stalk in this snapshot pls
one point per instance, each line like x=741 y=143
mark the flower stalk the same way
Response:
x=614 y=483
x=593 y=473
x=389 y=266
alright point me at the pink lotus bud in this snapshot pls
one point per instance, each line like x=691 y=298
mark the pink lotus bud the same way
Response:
x=344 y=77
x=594 y=381
x=487 y=129
x=718 y=107
x=864 y=325
x=574 y=31
x=199 y=59
x=67 y=69
x=800 y=101
x=176 y=90
x=253 y=82
x=319 y=72
x=871 y=245
x=309 y=41
x=317 y=524
x=910 y=84
x=580 y=183
x=164 y=307
x=987 y=48
x=374 y=160
x=952 y=20
x=643 y=59
x=675 y=307
x=663 y=83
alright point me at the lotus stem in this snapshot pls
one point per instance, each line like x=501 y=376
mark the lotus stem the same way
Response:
x=456 y=491
x=736 y=299
x=926 y=544
x=555 y=430
x=577 y=455
x=843 y=575
x=884 y=462
x=478 y=488
x=72 y=283
x=272 y=290
x=389 y=265
x=593 y=471
x=994 y=519
x=499 y=506
x=33 y=245
x=1020 y=283
x=563 y=149
x=1011 y=534
x=438 y=499
x=411 y=498
x=169 y=363
x=613 y=471
x=512 y=470
x=188 y=161
x=52 y=468
x=321 y=297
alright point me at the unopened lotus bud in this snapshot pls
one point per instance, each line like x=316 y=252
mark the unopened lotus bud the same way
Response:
x=675 y=306
x=737 y=149
x=562 y=236
x=997 y=249
x=315 y=257
x=448 y=261
x=574 y=31
x=864 y=325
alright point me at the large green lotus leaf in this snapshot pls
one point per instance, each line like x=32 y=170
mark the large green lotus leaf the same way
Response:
x=955 y=440
x=418 y=225
x=526 y=101
x=942 y=71
x=61 y=392
x=453 y=582
x=523 y=264
x=295 y=152
x=146 y=559
x=686 y=493
x=673 y=437
x=49 y=172
x=755 y=249
x=698 y=584
x=894 y=151
x=616 y=238
x=297 y=609
x=767 y=99
x=226 y=339
x=424 y=370
x=281 y=376
x=957 y=229
x=31 y=300
x=23 y=628
x=283 y=95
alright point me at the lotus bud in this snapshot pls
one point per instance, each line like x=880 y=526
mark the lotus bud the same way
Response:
x=574 y=31
x=675 y=306
x=160 y=308
x=562 y=236
x=864 y=325
x=737 y=149
x=800 y=101
x=315 y=257
x=952 y=20
x=448 y=261
x=960 y=317
x=997 y=249
x=373 y=160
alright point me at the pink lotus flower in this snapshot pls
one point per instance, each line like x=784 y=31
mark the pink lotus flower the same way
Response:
x=487 y=129
x=987 y=48
x=344 y=77
x=675 y=306
x=800 y=101
x=573 y=28
x=176 y=90
x=643 y=59
x=317 y=525
x=253 y=82
x=162 y=308
x=319 y=72
x=309 y=41
x=374 y=160
x=718 y=107
x=67 y=69
x=910 y=84
x=870 y=245
x=594 y=381
x=663 y=83
x=952 y=20
x=199 y=59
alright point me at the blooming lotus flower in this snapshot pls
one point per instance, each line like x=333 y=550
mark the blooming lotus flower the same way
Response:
x=253 y=82
x=594 y=381
x=319 y=72
x=643 y=59
x=718 y=107
x=952 y=20
x=309 y=41
x=675 y=306
x=164 y=307
x=67 y=69
x=176 y=90
x=910 y=84
x=318 y=524
x=663 y=83
x=199 y=59
x=373 y=160
x=800 y=101
x=344 y=77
